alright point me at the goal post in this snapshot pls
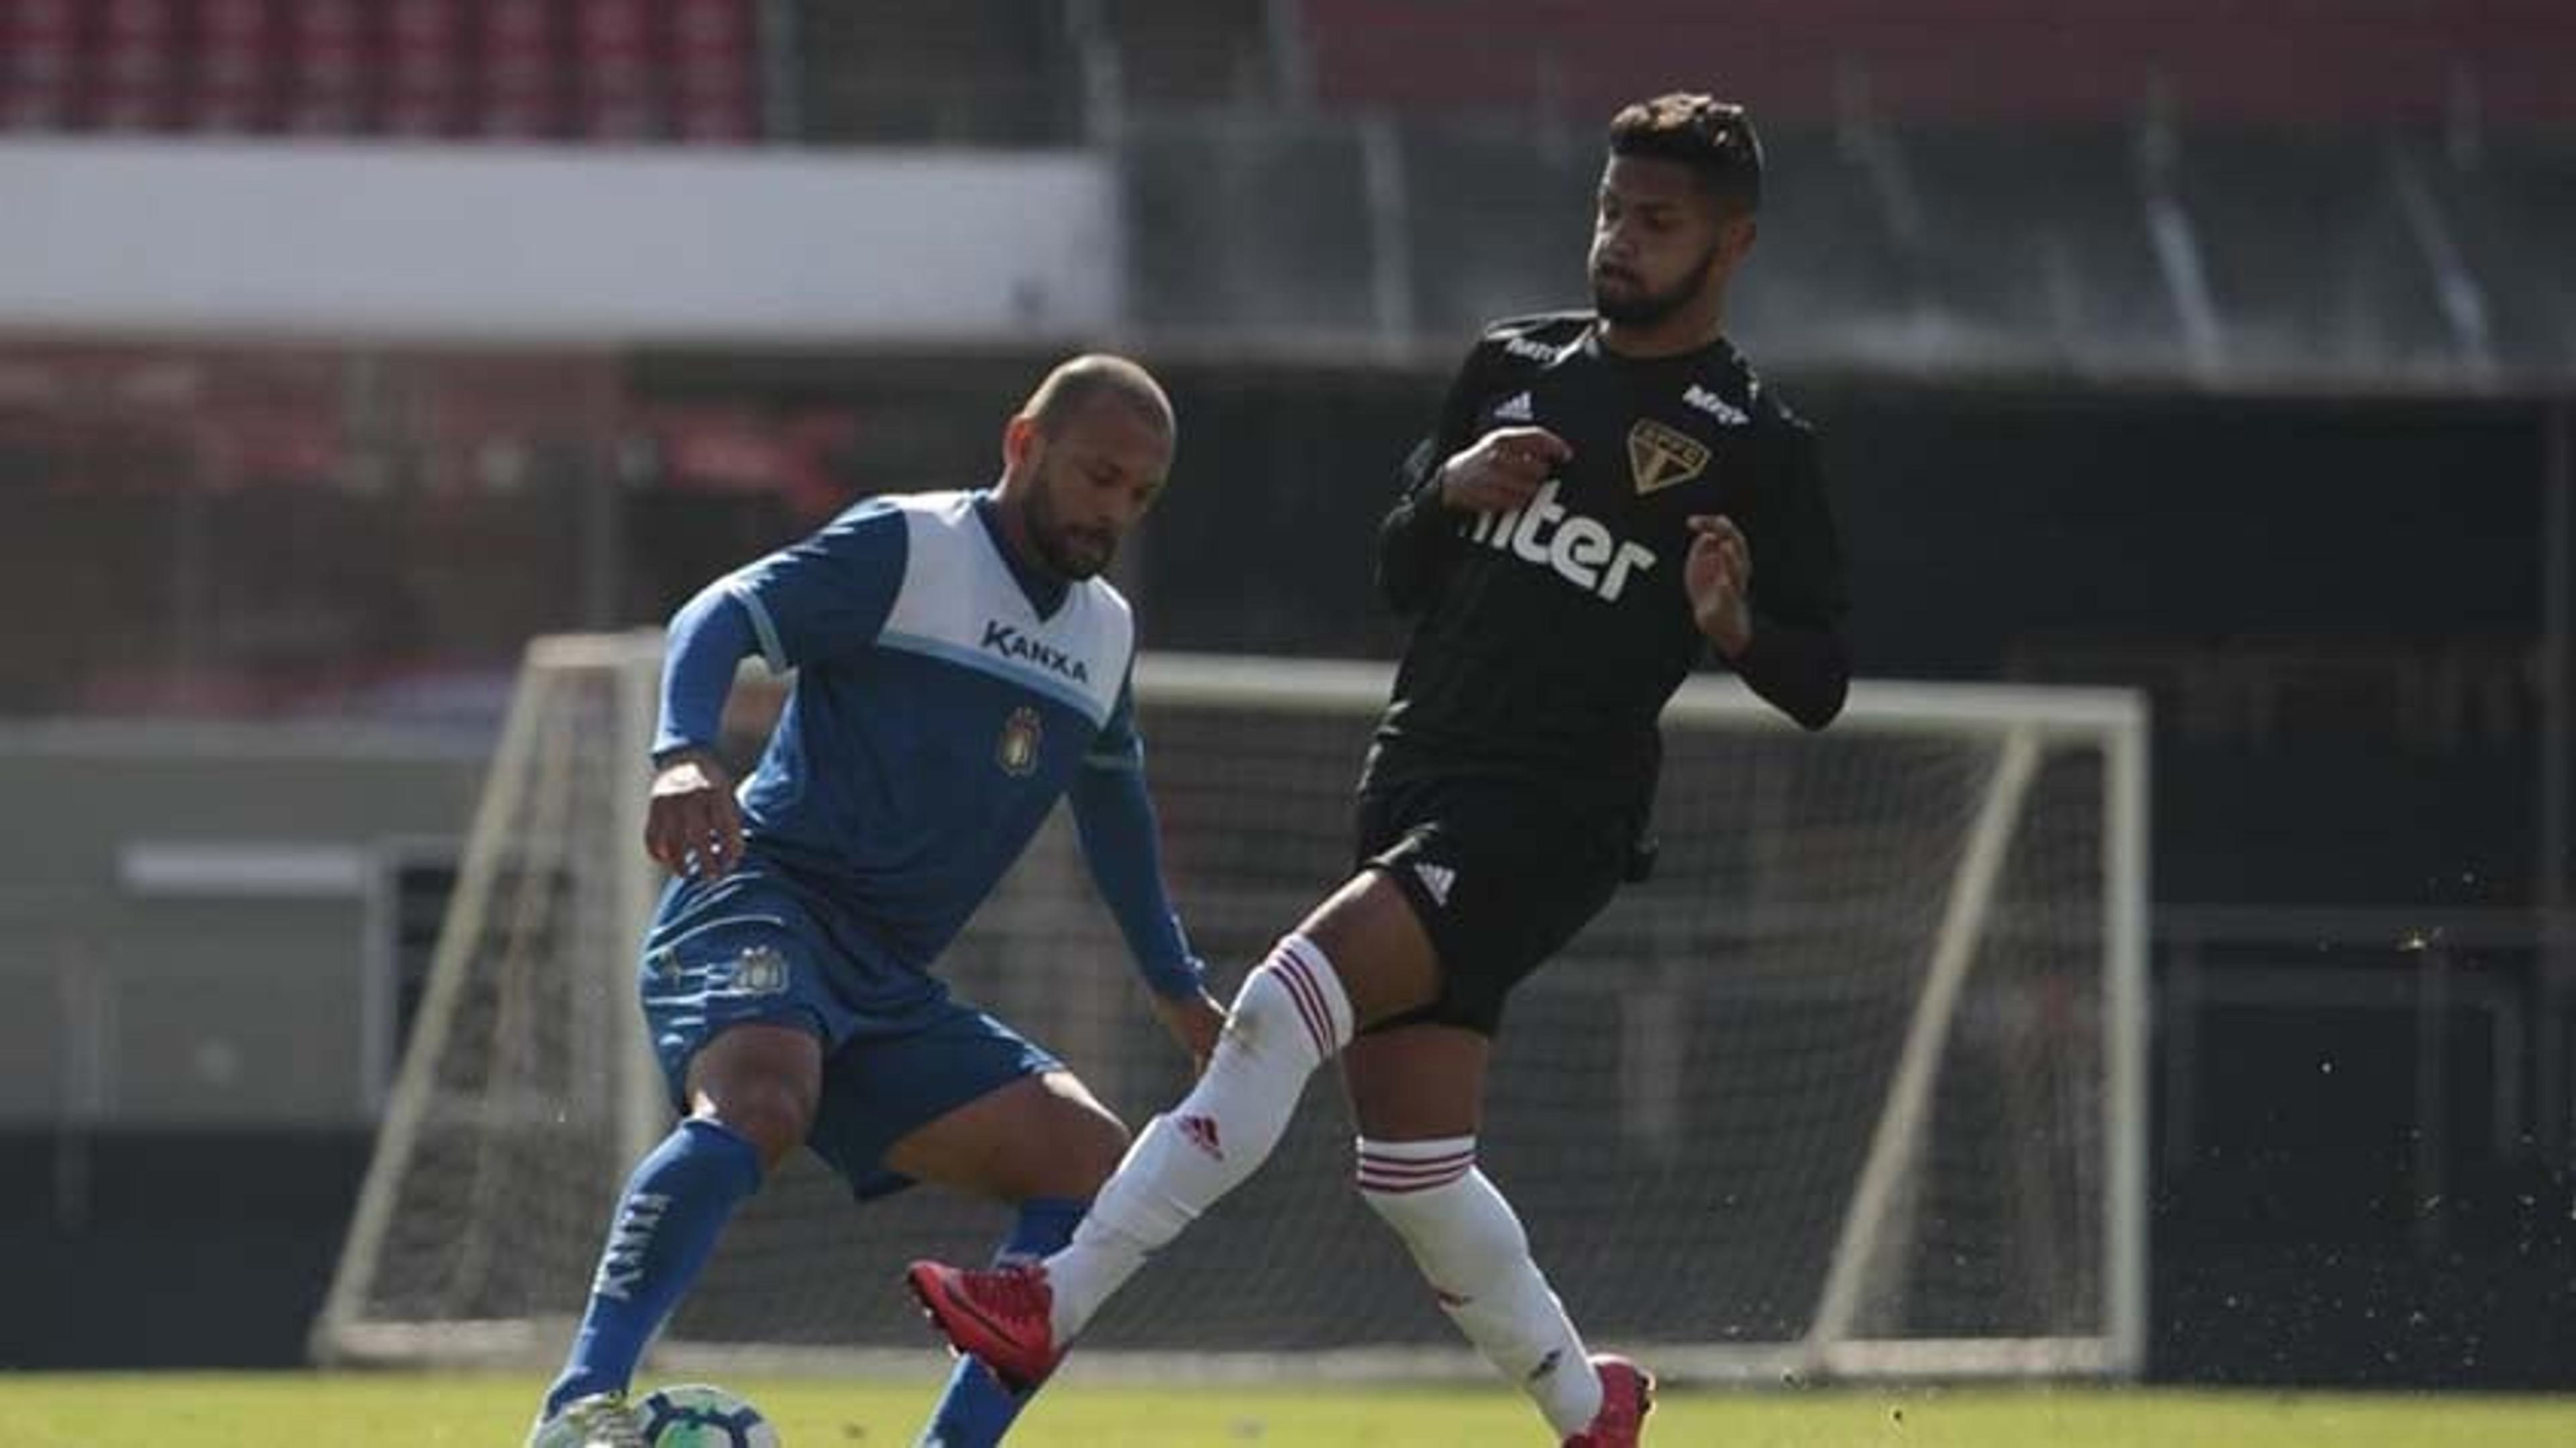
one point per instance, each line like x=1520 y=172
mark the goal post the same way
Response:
x=1854 y=1087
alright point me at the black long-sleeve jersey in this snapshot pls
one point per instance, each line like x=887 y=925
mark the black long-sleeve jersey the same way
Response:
x=1550 y=637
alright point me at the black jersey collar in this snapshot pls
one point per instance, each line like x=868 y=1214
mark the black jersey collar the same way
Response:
x=1717 y=365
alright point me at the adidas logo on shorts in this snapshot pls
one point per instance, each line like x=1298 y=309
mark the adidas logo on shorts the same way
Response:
x=1437 y=879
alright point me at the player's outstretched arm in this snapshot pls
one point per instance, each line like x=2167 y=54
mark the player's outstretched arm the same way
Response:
x=691 y=823
x=1113 y=817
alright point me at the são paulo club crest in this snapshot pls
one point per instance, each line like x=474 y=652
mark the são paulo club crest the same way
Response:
x=1018 y=751
x=1661 y=456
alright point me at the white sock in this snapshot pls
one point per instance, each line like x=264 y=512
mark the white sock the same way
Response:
x=1473 y=1251
x=1290 y=1017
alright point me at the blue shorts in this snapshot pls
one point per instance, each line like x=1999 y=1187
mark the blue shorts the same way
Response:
x=898 y=1052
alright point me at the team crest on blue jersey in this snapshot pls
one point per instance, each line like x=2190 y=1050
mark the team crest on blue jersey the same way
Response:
x=759 y=970
x=1018 y=751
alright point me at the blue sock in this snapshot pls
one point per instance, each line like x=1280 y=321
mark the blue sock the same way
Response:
x=676 y=1204
x=976 y=1410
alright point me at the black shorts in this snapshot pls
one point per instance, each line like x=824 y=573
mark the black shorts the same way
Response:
x=1502 y=874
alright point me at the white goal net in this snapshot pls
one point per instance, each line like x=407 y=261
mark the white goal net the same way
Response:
x=1853 y=1087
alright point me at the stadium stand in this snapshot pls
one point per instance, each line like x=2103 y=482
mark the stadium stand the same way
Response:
x=974 y=72
x=502 y=70
x=1197 y=52
x=2012 y=61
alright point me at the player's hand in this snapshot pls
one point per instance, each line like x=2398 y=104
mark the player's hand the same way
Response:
x=1719 y=576
x=1501 y=471
x=1194 y=1020
x=692 y=826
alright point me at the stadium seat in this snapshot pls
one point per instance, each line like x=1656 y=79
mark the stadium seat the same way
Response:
x=330 y=66
x=424 y=67
x=515 y=50
x=235 y=86
x=615 y=72
x=713 y=67
x=39 y=50
x=133 y=70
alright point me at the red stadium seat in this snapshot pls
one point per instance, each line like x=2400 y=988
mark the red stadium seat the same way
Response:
x=616 y=67
x=607 y=70
x=133 y=67
x=235 y=85
x=713 y=54
x=522 y=95
x=329 y=63
x=39 y=55
x=425 y=67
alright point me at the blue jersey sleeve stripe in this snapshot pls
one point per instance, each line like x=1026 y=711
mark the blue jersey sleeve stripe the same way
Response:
x=762 y=625
x=1029 y=679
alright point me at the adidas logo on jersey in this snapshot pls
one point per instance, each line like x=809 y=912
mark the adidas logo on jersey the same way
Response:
x=1513 y=409
x=1437 y=879
x=1727 y=413
x=1010 y=643
x=1573 y=547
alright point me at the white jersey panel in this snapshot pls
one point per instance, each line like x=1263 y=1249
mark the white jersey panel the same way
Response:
x=960 y=603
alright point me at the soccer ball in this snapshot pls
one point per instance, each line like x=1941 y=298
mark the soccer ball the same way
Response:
x=702 y=1415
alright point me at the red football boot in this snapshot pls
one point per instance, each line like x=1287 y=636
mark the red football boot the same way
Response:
x=1627 y=1396
x=999 y=1315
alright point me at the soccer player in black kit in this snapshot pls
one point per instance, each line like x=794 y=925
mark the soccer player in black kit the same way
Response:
x=1610 y=498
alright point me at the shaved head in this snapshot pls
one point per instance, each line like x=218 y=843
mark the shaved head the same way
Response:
x=1097 y=374
x=1083 y=459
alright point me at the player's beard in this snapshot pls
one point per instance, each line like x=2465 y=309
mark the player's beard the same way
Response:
x=1067 y=552
x=1651 y=309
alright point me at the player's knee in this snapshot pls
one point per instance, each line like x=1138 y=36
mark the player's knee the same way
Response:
x=774 y=1112
x=1380 y=951
x=1093 y=1154
x=1083 y=1147
x=1291 y=1008
x=761 y=1081
x=1066 y=1151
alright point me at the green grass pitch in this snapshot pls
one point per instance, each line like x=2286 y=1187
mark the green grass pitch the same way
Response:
x=391 y=1410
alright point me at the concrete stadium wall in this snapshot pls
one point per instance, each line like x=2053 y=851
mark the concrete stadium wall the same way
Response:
x=202 y=917
x=594 y=244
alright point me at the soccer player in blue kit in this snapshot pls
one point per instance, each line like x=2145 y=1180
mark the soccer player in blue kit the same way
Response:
x=960 y=666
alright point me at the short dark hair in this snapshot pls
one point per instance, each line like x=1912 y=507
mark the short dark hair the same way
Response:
x=1713 y=137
